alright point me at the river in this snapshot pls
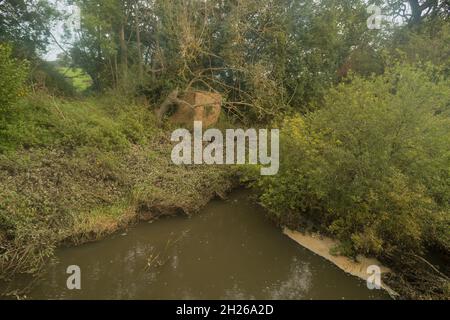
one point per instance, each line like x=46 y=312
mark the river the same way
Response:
x=230 y=250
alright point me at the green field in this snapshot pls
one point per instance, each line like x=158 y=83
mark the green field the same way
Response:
x=80 y=79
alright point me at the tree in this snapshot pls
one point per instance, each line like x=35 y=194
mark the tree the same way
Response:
x=26 y=24
x=263 y=56
x=371 y=166
x=414 y=12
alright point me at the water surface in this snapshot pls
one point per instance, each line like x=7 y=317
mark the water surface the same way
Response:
x=230 y=250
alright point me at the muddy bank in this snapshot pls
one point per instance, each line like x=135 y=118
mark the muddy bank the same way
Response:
x=322 y=246
x=403 y=275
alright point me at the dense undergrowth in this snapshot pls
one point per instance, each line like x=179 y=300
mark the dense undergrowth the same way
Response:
x=371 y=168
x=364 y=159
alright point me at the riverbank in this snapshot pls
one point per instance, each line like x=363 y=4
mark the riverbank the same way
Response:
x=59 y=202
x=93 y=167
x=76 y=171
x=404 y=275
x=229 y=250
x=323 y=246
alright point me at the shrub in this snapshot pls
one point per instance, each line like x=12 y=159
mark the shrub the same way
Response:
x=46 y=76
x=372 y=165
x=40 y=120
x=13 y=74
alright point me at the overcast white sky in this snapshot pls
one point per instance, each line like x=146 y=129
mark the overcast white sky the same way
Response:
x=72 y=21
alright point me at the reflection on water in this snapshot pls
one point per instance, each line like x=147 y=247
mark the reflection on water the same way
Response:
x=228 y=251
x=297 y=284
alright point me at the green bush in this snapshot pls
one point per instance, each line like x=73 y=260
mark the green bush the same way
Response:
x=40 y=120
x=46 y=76
x=13 y=74
x=372 y=166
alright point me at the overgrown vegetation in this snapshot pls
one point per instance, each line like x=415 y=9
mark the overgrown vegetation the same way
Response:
x=374 y=157
x=13 y=74
x=364 y=118
x=74 y=171
x=77 y=77
x=371 y=166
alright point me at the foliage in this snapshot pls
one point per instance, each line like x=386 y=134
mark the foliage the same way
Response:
x=372 y=166
x=45 y=77
x=263 y=56
x=365 y=118
x=26 y=23
x=429 y=44
x=12 y=77
x=415 y=12
x=77 y=77
x=74 y=171
x=40 y=120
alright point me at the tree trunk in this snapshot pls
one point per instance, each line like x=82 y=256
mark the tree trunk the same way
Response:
x=416 y=12
x=138 y=40
x=123 y=54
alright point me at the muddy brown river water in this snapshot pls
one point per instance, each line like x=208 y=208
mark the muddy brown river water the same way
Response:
x=230 y=250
